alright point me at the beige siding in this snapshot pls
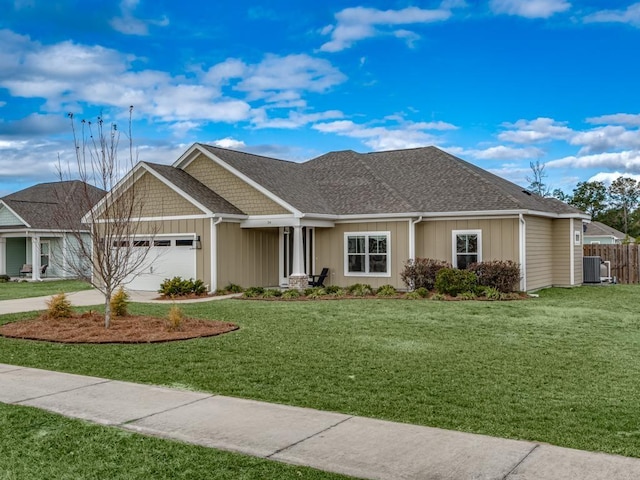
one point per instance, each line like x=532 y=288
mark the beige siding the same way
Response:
x=199 y=226
x=247 y=257
x=540 y=254
x=231 y=188
x=330 y=252
x=577 y=253
x=500 y=238
x=561 y=250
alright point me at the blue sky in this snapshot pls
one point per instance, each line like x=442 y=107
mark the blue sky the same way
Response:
x=500 y=83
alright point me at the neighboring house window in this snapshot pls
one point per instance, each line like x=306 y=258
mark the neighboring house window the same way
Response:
x=367 y=254
x=467 y=247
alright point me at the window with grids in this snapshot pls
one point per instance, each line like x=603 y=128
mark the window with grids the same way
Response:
x=367 y=253
x=467 y=247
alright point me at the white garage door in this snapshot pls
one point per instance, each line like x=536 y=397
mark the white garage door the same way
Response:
x=168 y=257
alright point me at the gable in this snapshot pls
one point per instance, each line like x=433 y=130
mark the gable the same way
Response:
x=7 y=218
x=158 y=200
x=231 y=188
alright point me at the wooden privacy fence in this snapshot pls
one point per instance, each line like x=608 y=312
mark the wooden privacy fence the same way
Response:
x=625 y=261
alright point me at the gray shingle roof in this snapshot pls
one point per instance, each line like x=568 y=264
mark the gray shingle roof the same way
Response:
x=200 y=192
x=401 y=181
x=600 y=229
x=56 y=205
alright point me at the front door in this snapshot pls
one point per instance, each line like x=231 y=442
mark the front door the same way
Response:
x=286 y=252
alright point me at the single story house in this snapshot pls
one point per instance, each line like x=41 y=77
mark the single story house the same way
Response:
x=224 y=216
x=600 y=233
x=38 y=227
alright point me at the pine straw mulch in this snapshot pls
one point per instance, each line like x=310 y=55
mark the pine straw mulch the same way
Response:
x=89 y=328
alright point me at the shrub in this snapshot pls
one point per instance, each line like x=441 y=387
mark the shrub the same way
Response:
x=333 y=289
x=452 y=281
x=179 y=287
x=272 y=293
x=492 y=293
x=59 y=306
x=317 y=293
x=5 y=278
x=413 y=296
x=423 y=292
x=467 y=296
x=421 y=272
x=360 y=290
x=233 y=288
x=438 y=296
x=340 y=292
x=293 y=293
x=386 y=291
x=503 y=275
x=120 y=303
x=176 y=317
x=253 y=292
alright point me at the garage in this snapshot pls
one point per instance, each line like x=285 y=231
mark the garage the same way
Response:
x=168 y=257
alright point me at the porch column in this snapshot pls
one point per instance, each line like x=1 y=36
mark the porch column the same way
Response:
x=298 y=278
x=3 y=256
x=35 y=258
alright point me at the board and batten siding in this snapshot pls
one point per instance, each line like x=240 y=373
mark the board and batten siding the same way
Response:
x=231 y=188
x=500 y=238
x=330 y=252
x=578 y=252
x=247 y=256
x=540 y=252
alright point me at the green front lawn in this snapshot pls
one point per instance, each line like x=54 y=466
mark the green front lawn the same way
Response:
x=10 y=290
x=562 y=369
x=39 y=445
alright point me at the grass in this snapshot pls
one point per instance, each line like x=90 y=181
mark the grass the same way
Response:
x=10 y=290
x=35 y=444
x=561 y=369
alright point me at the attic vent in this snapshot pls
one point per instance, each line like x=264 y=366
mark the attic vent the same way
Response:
x=527 y=192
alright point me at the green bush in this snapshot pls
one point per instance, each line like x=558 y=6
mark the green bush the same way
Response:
x=120 y=303
x=233 y=288
x=316 y=293
x=423 y=292
x=179 y=287
x=253 y=292
x=5 y=278
x=413 y=296
x=503 y=275
x=272 y=293
x=467 y=296
x=386 y=291
x=333 y=289
x=59 y=306
x=360 y=290
x=340 y=292
x=451 y=281
x=421 y=272
x=491 y=293
x=292 y=293
x=438 y=296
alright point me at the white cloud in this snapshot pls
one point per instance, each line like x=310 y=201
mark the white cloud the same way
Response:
x=529 y=8
x=608 y=177
x=631 y=119
x=628 y=161
x=379 y=137
x=357 y=23
x=293 y=120
x=230 y=143
x=610 y=137
x=539 y=130
x=128 y=24
x=630 y=15
x=502 y=152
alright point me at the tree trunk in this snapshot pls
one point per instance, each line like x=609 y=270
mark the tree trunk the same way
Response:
x=107 y=309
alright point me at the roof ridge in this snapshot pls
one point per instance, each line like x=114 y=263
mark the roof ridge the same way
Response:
x=248 y=153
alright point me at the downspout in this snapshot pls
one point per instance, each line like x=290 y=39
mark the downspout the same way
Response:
x=213 y=255
x=412 y=237
x=523 y=252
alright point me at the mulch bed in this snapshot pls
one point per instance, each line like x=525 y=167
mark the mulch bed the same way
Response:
x=89 y=328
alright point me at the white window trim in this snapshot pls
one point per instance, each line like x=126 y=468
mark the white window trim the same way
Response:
x=454 y=234
x=347 y=273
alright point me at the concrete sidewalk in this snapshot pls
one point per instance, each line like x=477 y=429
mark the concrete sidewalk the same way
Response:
x=361 y=447
x=85 y=298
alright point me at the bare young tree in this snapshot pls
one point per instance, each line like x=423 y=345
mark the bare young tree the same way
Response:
x=106 y=244
x=537 y=180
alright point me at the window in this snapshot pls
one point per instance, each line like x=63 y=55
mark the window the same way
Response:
x=184 y=243
x=467 y=247
x=577 y=240
x=162 y=243
x=367 y=254
x=141 y=243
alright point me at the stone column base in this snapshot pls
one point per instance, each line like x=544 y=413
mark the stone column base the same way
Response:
x=299 y=282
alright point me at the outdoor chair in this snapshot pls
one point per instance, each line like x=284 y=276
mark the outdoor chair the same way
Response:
x=43 y=270
x=318 y=280
x=27 y=269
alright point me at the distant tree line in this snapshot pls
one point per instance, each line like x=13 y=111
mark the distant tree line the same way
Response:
x=616 y=205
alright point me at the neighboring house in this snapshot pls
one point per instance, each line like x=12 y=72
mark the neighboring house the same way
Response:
x=36 y=225
x=597 y=232
x=225 y=216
